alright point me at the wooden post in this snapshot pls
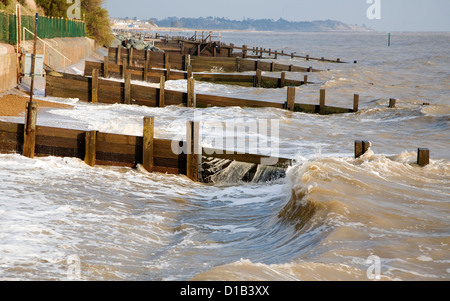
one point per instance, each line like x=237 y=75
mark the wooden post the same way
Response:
x=148 y=146
x=282 y=80
x=130 y=57
x=366 y=145
x=392 y=102
x=276 y=54
x=193 y=150
x=94 y=88
x=291 y=68
x=272 y=67
x=258 y=79
x=91 y=149
x=310 y=69
x=166 y=60
x=257 y=65
x=30 y=130
x=118 y=55
x=307 y=57
x=305 y=80
x=230 y=50
x=322 y=102
x=292 y=55
x=162 y=87
x=361 y=147
x=290 y=104
x=238 y=64
x=127 y=89
x=124 y=67
x=355 y=103
x=105 y=67
x=189 y=73
x=190 y=92
x=423 y=157
x=244 y=51
x=145 y=73
x=358 y=148
x=168 y=67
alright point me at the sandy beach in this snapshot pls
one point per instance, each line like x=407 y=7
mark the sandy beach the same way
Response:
x=14 y=105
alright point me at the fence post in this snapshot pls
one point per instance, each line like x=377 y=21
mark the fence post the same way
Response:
x=162 y=87
x=168 y=67
x=355 y=103
x=189 y=73
x=190 y=92
x=322 y=102
x=118 y=55
x=258 y=79
x=30 y=130
x=423 y=157
x=105 y=67
x=361 y=147
x=272 y=67
x=244 y=51
x=124 y=67
x=94 y=87
x=305 y=80
x=166 y=59
x=238 y=64
x=127 y=88
x=282 y=80
x=90 y=142
x=148 y=146
x=392 y=102
x=193 y=150
x=145 y=73
x=290 y=104
x=130 y=56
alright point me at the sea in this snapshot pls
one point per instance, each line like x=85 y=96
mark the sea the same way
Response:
x=333 y=217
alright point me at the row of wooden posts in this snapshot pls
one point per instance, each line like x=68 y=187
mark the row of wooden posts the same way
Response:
x=53 y=88
x=110 y=70
x=131 y=57
x=289 y=105
x=423 y=154
x=192 y=148
x=258 y=51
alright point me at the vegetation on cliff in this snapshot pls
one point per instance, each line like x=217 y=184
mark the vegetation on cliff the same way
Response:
x=95 y=16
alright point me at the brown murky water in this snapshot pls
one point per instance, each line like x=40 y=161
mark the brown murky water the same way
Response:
x=332 y=218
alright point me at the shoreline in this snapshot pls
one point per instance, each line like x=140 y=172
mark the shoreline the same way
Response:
x=13 y=105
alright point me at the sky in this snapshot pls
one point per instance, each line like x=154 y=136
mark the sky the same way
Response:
x=392 y=15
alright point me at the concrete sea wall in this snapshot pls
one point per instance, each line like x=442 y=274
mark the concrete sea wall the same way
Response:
x=74 y=49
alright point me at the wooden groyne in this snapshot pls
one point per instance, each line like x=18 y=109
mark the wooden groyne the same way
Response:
x=95 y=89
x=205 y=45
x=179 y=61
x=155 y=155
x=152 y=75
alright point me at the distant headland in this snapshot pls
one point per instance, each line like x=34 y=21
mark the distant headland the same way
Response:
x=213 y=23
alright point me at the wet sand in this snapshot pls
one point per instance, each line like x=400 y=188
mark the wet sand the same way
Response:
x=14 y=105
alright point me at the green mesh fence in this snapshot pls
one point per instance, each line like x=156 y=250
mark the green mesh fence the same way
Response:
x=48 y=28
